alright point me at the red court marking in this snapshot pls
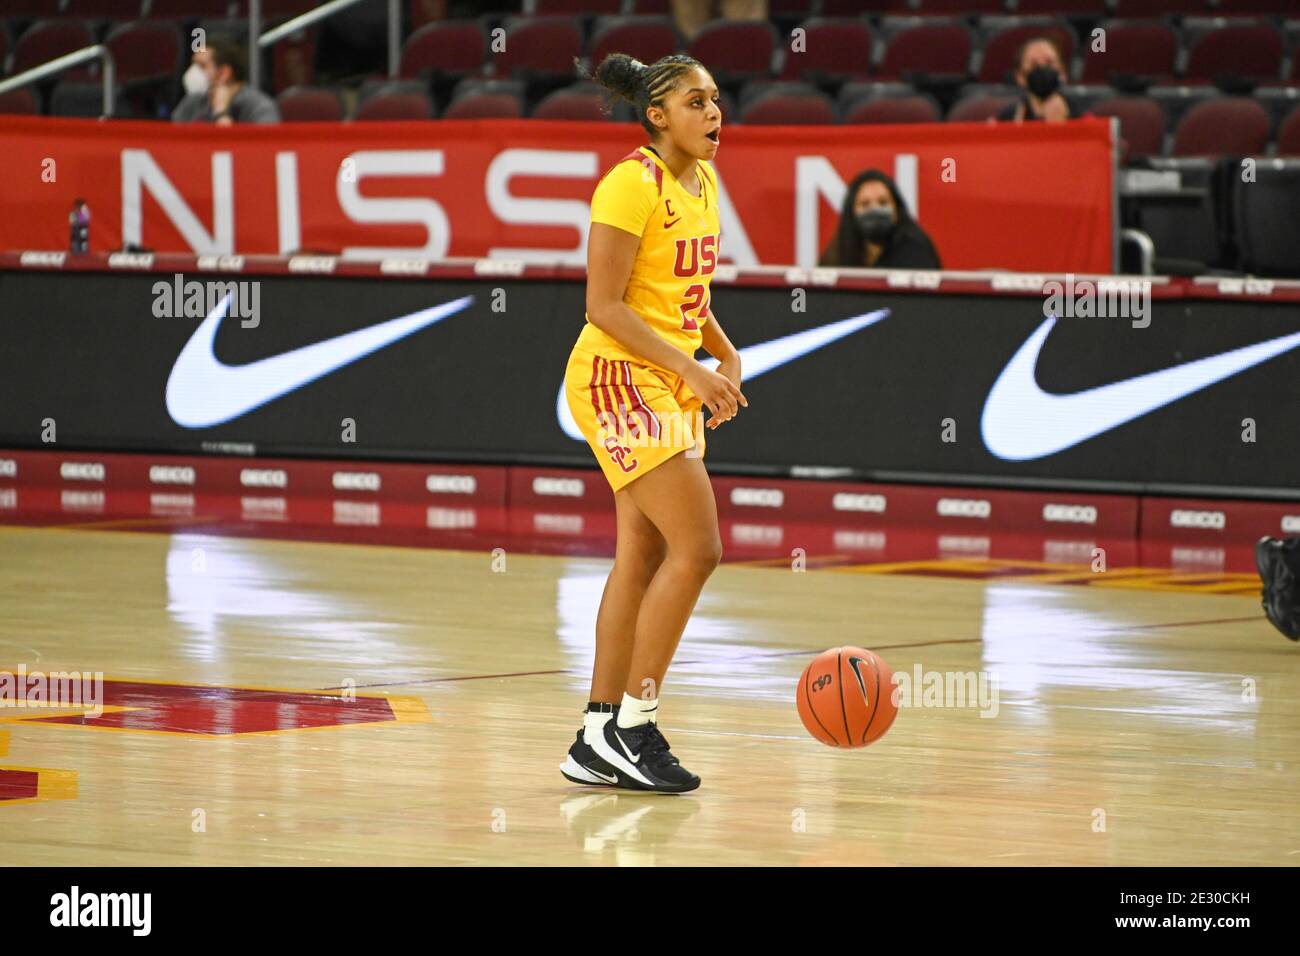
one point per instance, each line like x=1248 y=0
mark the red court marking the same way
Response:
x=19 y=784
x=222 y=711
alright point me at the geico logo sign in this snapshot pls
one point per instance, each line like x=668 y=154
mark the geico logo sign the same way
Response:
x=8 y=468
x=1290 y=523
x=758 y=497
x=964 y=508
x=565 y=487
x=451 y=484
x=356 y=481
x=171 y=475
x=451 y=517
x=1070 y=514
x=844 y=501
x=81 y=471
x=757 y=533
x=264 y=478
x=1180 y=518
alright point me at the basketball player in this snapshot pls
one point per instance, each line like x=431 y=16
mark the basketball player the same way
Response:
x=636 y=392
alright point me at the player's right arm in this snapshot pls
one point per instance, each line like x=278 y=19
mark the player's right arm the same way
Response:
x=611 y=253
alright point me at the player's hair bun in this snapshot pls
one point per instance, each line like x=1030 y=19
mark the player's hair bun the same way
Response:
x=623 y=75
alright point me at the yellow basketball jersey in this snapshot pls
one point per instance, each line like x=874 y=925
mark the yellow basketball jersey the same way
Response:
x=669 y=284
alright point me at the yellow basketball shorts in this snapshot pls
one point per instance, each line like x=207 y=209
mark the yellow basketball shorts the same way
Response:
x=633 y=416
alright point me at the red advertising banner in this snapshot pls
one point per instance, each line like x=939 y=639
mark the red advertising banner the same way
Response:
x=1035 y=197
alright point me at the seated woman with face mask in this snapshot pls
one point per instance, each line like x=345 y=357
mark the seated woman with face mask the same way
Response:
x=1040 y=73
x=876 y=231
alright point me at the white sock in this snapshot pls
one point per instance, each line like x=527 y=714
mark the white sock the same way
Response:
x=634 y=711
x=593 y=724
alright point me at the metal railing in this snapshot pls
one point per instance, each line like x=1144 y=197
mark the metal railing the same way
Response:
x=67 y=61
x=258 y=41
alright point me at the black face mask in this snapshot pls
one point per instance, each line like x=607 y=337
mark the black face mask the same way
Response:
x=1043 y=81
x=876 y=223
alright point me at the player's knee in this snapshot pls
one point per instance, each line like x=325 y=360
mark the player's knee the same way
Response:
x=706 y=554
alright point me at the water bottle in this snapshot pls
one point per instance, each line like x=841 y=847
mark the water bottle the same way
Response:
x=79 y=223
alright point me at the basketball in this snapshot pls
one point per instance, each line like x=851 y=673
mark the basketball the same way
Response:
x=845 y=697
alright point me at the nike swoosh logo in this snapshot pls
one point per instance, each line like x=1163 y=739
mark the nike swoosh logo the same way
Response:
x=596 y=773
x=669 y=225
x=203 y=391
x=757 y=359
x=1022 y=422
x=636 y=759
x=854 y=662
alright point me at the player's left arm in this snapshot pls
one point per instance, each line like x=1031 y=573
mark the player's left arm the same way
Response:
x=717 y=344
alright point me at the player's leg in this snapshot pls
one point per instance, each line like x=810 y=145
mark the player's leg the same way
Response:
x=677 y=498
x=639 y=551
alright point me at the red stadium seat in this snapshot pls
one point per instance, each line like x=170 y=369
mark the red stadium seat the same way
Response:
x=934 y=48
x=962 y=7
x=896 y=109
x=145 y=51
x=854 y=8
x=283 y=9
x=735 y=49
x=1142 y=49
x=309 y=104
x=1095 y=8
x=588 y=7
x=1288 y=135
x=1233 y=126
x=456 y=47
x=47 y=39
x=646 y=38
x=1160 y=8
x=999 y=61
x=789 y=104
x=582 y=101
x=1236 y=8
x=192 y=9
x=1141 y=124
x=540 y=45
x=978 y=107
x=833 y=47
x=102 y=9
x=1252 y=50
x=24 y=100
x=33 y=8
x=481 y=99
x=395 y=105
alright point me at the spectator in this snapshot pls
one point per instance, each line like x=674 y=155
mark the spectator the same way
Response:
x=691 y=15
x=216 y=91
x=1040 y=71
x=876 y=231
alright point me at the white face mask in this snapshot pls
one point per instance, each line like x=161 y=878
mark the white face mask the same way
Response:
x=195 y=79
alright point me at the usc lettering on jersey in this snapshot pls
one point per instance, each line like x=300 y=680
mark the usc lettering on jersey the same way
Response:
x=669 y=284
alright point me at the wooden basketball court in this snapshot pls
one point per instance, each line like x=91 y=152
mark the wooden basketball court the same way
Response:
x=274 y=702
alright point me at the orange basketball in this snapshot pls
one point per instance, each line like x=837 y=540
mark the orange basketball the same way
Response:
x=846 y=697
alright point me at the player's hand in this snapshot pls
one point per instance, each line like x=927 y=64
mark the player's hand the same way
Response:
x=720 y=395
x=729 y=370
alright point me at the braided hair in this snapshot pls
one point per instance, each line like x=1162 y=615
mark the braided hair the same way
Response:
x=624 y=77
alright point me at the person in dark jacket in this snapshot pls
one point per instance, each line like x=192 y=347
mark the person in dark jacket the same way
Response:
x=876 y=231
